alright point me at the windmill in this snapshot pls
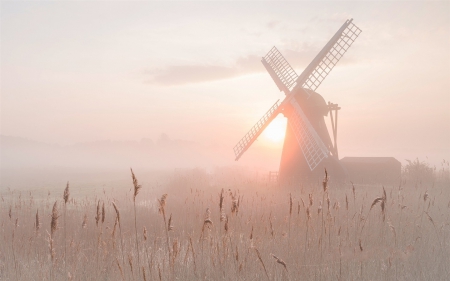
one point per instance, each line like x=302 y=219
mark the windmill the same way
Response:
x=308 y=145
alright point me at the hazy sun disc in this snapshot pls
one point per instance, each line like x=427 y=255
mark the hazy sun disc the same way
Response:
x=276 y=130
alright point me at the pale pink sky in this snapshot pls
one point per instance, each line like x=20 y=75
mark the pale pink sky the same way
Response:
x=86 y=71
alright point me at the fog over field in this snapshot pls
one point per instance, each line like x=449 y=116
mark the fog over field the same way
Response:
x=82 y=73
x=121 y=122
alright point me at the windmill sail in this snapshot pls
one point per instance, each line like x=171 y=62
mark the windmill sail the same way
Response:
x=256 y=130
x=289 y=82
x=323 y=63
x=309 y=141
x=280 y=70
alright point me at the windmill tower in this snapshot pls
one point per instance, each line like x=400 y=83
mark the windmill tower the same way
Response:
x=308 y=147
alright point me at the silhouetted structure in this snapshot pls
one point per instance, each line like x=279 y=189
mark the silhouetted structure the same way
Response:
x=372 y=169
x=308 y=147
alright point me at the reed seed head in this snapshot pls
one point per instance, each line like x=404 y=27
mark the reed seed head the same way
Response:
x=103 y=212
x=136 y=185
x=55 y=216
x=66 y=194
x=162 y=204
x=97 y=217
x=38 y=221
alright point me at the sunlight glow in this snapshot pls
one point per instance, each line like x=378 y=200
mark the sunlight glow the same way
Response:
x=276 y=130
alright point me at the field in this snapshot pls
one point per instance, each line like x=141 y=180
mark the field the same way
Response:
x=198 y=225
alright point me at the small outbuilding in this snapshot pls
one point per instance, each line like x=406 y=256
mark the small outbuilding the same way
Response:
x=372 y=169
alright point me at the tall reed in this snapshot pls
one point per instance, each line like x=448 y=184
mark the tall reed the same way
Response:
x=137 y=187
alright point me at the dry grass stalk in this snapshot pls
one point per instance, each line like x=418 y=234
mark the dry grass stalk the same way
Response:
x=120 y=230
x=325 y=181
x=207 y=223
x=113 y=234
x=120 y=269
x=162 y=205
x=221 y=212
x=169 y=224
x=187 y=253
x=38 y=221
x=117 y=212
x=393 y=231
x=145 y=233
x=51 y=248
x=271 y=226
x=175 y=250
x=280 y=261
x=354 y=192
x=98 y=215
x=66 y=199
x=103 y=212
x=221 y=201
x=226 y=224
x=328 y=203
x=143 y=273
x=159 y=273
x=262 y=263
x=84 y=224
x=434 y=225
x=193 y=254
x=222 y=216
x=382 y=201
x=290 y=204
x=137 y=187
x=336 y=206
x=376 y=201
x=130 y=263
x=234 y=203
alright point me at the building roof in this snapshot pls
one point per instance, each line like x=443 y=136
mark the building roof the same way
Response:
x=371 y=160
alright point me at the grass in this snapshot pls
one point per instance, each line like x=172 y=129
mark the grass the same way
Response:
x=200 y=226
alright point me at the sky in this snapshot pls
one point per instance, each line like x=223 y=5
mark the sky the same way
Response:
x=85 y=71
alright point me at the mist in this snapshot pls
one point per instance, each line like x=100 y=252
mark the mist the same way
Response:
x=108 y=86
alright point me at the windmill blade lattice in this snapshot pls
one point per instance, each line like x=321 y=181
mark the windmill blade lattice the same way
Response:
x=330 y=55
x=310 y=143
x=287 y=80
x=256 y=130
x=280 y=70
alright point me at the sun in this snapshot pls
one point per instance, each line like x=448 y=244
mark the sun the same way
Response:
x=276 y=130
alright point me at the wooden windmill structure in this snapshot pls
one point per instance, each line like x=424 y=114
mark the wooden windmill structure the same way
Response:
x=308 y=146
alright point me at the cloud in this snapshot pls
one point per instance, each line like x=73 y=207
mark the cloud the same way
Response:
x=188 y=74
x=298 y=55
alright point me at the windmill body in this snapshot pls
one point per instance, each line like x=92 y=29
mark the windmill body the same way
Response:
x=308 y=145
x=293 y=165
